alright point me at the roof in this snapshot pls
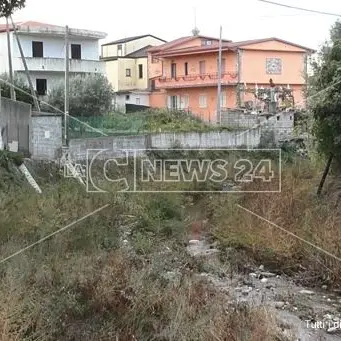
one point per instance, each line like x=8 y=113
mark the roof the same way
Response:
x=179 y=41
x=257 y=41
x=3 y=27
x=189 y=50
x=37 y=27
x=139 y=53
x=170 y=49
x=126 y=40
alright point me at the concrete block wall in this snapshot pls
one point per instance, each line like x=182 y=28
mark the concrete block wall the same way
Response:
x=112 y=145
x=46 y=136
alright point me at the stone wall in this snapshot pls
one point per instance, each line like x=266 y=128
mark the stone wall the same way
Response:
x=46 y=136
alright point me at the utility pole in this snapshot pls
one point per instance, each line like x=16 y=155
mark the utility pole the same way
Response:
x=219 y=78
x=67 y=85
x=10 y=61
x=33 y=94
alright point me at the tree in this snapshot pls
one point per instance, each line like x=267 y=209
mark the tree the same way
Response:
x=7 y=7
x=326 y=106
x=90 y=95
x=18 y=82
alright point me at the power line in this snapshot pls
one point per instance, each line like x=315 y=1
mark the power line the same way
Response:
x=300 y=8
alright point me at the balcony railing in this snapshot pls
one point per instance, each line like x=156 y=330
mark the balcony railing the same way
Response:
x=207 y=79
x=58 y=65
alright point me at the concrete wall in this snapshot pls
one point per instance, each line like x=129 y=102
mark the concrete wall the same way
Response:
x=54 y=47
x=46 y=136
x=236 y=119
x=129 y=47
x=209 y=140
x=15 y=119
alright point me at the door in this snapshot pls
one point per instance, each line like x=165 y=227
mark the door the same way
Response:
x=173 y=70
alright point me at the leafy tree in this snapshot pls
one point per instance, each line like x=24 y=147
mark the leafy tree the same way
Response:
x=326 y=106
x=90 y=95
x=22 y=96
x=7 y=7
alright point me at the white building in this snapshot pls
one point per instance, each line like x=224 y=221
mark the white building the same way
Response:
x=126 y=63
x=44 y=50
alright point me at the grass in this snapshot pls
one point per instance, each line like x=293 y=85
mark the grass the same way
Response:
x=296 y=209
x=82 y=285
x=150 y=121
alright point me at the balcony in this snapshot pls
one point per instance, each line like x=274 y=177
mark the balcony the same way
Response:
x=58 y=65
x=208 y=79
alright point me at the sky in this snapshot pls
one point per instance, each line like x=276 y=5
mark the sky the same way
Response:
x=240 y=19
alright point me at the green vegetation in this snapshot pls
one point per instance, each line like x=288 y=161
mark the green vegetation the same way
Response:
x=82 y=284
x=149 y=121
x=7 y=7
x=19 y=82
x=326 y=107
x=90 y=95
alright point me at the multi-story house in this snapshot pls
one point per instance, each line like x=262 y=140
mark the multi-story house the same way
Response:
x=184 y=72
x=126 y=63
x=44 y=50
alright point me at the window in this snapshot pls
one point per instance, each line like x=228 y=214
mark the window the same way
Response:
x=202 y=67
x=186 y=69
x=223 y=65
x=223 y=100
x=184 y=102
x=173 y=70
x=202 y=101
x=140 y=71
x=41 y=87
x=128 y=73
x=127 y=97
x=119 y=50
x=76 y=51
x=205 y=42
x=173 y=102
x=37 y=49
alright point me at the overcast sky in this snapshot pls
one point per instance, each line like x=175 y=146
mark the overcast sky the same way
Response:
x=240 y=19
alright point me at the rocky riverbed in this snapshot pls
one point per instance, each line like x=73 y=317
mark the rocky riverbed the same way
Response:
x=303 y=314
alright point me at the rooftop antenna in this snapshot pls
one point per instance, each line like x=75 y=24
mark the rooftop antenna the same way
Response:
x=195 y=31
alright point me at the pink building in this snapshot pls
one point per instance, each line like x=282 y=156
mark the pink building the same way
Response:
x=184 y=72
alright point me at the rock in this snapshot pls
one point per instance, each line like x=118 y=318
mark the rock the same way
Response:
x=261 y=268
x=332 y=330
x=238 y=289
x=307 y=292
x=264 y=280
x=248 y=282
x=279 y=305
x=324 y=287
x=328 y=317
x=194 y=242
x=246 y=291
x=268 y=274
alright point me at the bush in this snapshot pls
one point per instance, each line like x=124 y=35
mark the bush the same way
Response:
x=90 y=95
x=19 y=82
